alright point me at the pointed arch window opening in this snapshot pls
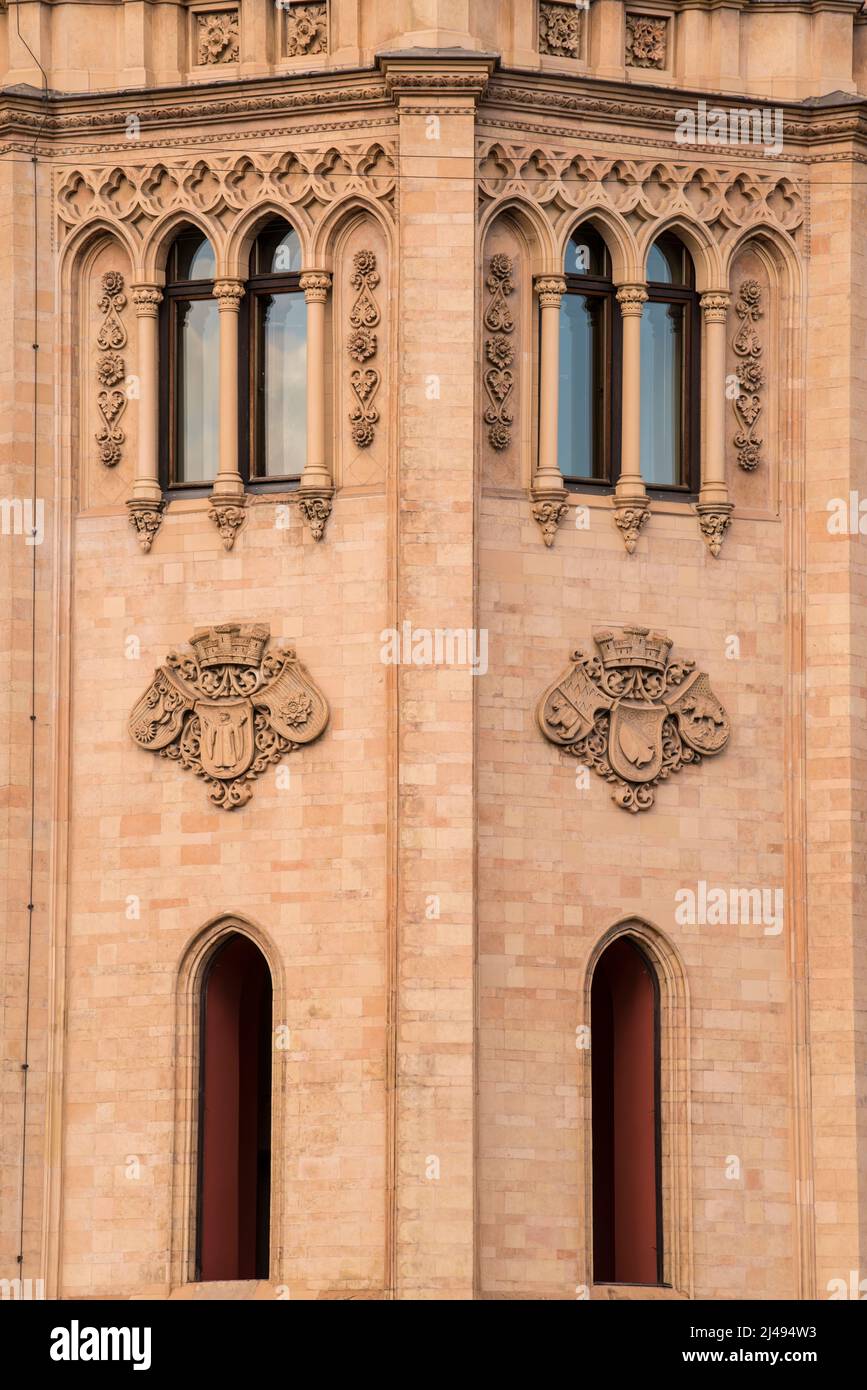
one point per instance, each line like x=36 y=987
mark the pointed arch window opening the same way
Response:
x=233 y=1171
x=588 y=443
x=626 y=1136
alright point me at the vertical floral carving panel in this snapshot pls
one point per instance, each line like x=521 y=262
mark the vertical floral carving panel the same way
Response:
x=306 y=29
x=748 y=350
x=499 y=376
x=111 y=339
x=364 y=380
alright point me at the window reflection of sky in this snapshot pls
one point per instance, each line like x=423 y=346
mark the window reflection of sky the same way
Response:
x=200 y=405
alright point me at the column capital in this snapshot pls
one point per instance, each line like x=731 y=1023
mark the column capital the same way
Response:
x=715 y=305
x=147 y=300
x=550 y=289
x=228 y=294
x=632 y=299
x=315 y=284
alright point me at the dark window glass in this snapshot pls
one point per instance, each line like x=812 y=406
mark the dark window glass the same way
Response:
x=584 y=427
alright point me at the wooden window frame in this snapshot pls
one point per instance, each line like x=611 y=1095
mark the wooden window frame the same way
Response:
x=600 y=287
x=251 y=434
x=690 y=390
x=179 y=291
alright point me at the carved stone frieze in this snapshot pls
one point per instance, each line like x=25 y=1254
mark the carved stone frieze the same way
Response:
x=632 y=714
x=229 y=709
x=216 y=37
x=362 y=346
x=306 y=29
x=646 y=41
x=221 y=186
x=748 y=350
x=111 y=398
x=560 y=30
x=724 y=198
x=499 y=375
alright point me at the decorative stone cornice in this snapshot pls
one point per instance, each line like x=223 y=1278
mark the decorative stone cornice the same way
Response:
x=550 y=289
x=436 y=72
x=227 y=514
x=316 y=285
x=715 y=306
x=632 y=299
x=146 y=518
x=228 y=294
x=714 y=519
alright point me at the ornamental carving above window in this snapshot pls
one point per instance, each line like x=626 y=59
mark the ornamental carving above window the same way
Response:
x=560 y=30
x=306 y=29
x=217 y=37
x=646 y=41
x=111 y=339
x=632 y=714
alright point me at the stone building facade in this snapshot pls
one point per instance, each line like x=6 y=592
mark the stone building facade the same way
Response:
x=429 y=875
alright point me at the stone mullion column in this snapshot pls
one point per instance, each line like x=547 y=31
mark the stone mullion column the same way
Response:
x=147 y=503
x=228 y=498
x=317 y=484
x=713 y=507
x=432 y=960
x=548 y=491
x=631 y=505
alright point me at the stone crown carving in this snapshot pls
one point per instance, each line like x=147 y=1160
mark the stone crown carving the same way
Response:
x=229 y=709
x=632 y=714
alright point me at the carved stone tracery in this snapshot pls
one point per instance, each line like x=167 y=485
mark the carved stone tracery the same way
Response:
x=747 y=405
x=362 y=345
x=498 y=376
x=111 y=399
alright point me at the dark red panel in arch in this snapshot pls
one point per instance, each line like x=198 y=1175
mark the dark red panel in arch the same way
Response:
x=235 y=1114
x=627 y=1244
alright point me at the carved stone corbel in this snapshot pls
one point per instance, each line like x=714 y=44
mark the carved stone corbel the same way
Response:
x=146 y=518
x=227 y=514
x=631 y=514
x=315 y=507
x=714 y=519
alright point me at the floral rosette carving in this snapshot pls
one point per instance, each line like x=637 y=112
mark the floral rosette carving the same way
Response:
x=111 y=338
x=306 y=29
x=498 y=376
x=560 y=30
x=229 y=709
x=645 y=41
x=362 y=345
x=218 y=37
x=632 y=714
x=747 y=347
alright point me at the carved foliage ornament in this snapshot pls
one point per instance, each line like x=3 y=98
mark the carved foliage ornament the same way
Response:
x=306 y=28
x=646 y=41
x=110 y=370
x=747 y=405
x=364 y=317
x=560 y=29
x=499 y=378
x=229 y=710
x=217 y=37
x=633 y=715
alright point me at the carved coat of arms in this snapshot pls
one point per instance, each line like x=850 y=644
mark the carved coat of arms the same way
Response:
x=633 y=715
x=229 y=709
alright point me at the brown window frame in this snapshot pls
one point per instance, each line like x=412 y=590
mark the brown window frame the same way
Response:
x=600 y=287
x=179 y=291
x=251 y=442
x=690 y=387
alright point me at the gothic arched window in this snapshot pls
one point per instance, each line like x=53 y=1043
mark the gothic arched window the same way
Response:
x=625 y=1068
x=670 y=374
x=234 y=1158
x=274 y=363
x=190 y=405
x=585 y=432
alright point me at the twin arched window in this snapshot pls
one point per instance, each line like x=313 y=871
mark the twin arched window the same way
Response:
x=590 y=377
x=272 y=362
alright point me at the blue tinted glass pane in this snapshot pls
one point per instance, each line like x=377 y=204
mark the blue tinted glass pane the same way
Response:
x=203 y=265
x=578 y=449
x=658 y=267
x=198 y=390
x=284 y=348
x=661 y=393
x=287 y=255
